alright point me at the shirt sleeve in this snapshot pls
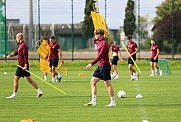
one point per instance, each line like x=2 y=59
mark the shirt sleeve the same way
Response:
x=25 y=53
x=135 y=45
x=57 y=46
x=16 y=52
x=118 y=48
x=95 y=41
x=102 y=52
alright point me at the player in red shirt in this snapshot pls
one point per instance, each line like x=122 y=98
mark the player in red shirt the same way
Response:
x=154 y=59
x=103 y=70
x=54 y=56
x=22 y=53
x=133 y=49
x=116 y=53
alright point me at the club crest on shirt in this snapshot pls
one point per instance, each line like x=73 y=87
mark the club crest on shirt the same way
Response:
x=98 y=47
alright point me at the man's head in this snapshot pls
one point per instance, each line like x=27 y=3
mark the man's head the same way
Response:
x=99 y=33
x=111 y=43
x=52 y=39
x=130 y=38
x=152 y=42
x=19 y=37
x=45 y=39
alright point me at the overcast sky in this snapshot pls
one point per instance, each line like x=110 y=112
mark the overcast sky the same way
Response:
x=59 y=11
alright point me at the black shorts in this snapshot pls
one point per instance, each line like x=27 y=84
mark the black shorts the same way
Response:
x=53 y=62
x=153 y=60
x=21 y=73
x=130 y=61
x=115 y=60
x=103 y=72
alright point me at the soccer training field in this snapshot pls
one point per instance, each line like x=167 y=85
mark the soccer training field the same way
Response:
x=161 y=100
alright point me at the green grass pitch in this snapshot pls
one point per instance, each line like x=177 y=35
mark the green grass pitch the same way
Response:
x=161 y=100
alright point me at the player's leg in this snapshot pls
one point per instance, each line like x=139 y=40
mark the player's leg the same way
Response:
x=152 y=67
x=93 y=86
x=131 y=70
x=95 y=78
x=93 y=83
x=105 y=75
x=115 y=71
x=114 y=63
x=53 y=73
x=34 y=84
x=15 y=86
x=110 y=89
x=157 y=69
x=55 y=64
x=45 y=76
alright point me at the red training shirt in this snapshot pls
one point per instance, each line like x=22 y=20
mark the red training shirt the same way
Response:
x=115 y=49
x=22 y=53
x=103 y=51
x=131 y=48
x=154 y=49
x=54 y=50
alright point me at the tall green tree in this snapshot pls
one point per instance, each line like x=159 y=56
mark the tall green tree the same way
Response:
x=87 y=25
x=129 y=21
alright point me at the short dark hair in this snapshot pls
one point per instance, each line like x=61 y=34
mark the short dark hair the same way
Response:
x=111 y=42
x=130 y=37
x=52 y=37
x=99 y=31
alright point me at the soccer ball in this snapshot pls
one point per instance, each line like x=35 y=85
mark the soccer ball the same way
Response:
x=121 y=94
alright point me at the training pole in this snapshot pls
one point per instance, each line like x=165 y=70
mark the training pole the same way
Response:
x=130 y=56
x=44 y=81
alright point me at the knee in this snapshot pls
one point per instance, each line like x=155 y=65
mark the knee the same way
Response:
x=108 y=84
x=28 y=79
x=15 y=79
x=92 y=83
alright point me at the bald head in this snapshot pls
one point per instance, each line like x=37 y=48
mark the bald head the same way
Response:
x=19 y=37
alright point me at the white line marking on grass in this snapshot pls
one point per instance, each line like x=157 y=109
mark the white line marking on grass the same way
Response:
x=142 y=109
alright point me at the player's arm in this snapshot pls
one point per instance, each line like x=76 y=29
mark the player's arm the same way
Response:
x=102 y=53
x=120 y=56
x=158 y=51
x=25 y=54
x=60 y=54
x=136 y=50
x=13 y=54
x=10 y=55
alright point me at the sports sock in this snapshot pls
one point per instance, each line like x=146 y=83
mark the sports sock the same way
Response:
x=112 y=100
x=53 y=79
x=156 y=71
x=14 y=93
x=132 y=77
x=45 y=77
x=38 y=90
x=152 y=72
x=93 y=98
